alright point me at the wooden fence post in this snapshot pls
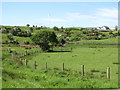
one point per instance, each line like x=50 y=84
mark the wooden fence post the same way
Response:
x=26 y=52
x=26 y=62
x=22 y=54
x=46 y=66
x=63 y=67
x=20 y=60
x=61 y=48
x=108 y=73
x=35 y=65
x=82 y=67
x=12 y=56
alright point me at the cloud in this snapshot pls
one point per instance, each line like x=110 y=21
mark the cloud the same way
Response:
x=102 y=16
x=54 y=20
x=79 y=16
x=107 y=16
x=107 y=12
x=99 y=17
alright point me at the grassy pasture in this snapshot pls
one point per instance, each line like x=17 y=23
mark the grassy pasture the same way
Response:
x=93 y=59
x=22 y=39
x=22 y=77
x=104 y=41
x=96 y=59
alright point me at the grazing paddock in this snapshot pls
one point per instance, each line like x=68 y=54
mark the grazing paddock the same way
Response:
x=62 y=67
x=96 y=60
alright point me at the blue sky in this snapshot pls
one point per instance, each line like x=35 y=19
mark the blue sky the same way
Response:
x=66 y=14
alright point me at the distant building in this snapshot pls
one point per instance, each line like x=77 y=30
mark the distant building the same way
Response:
x=103 y=28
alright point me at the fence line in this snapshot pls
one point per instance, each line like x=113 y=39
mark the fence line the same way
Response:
x=63 y=68
x=15 y=54
x=25 y=62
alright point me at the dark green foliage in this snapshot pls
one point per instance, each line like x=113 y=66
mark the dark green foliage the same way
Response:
x=45 y=39
x=68 y=34
x=11 y=40
x=18 y=32
x=5 y=30
x=14 y=41
x=84 y=32
x=26 y=42
x=28 y=25
x=56 y=28
x=31 y=29
x=76 y=37
x=118 y=33
x=61 y=41
x=5 y=42
x=62 y=28
x=116 y=28
x=93 y=38
x=38 y=28
x=110 y=32
x=10 y=36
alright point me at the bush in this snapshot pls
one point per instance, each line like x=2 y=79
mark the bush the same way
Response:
x=26 y=42
x=5 y=42
x=45 y=39
x=10 y=36
x=85 y=32
x=14 y=41
x=56 y=28
x=110 y=32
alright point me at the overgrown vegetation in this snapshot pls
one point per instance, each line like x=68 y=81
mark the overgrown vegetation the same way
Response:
x=67 y=34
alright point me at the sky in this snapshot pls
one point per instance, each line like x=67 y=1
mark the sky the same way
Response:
x=66 y=14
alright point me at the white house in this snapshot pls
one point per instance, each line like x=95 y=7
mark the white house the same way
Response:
x=103 y=28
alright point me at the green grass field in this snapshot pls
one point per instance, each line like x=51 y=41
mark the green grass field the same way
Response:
x=93 y=59
x=104 y=41
x=22 y=77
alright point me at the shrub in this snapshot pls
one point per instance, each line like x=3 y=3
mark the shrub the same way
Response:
x=56 y=28
x=45 y=39
x=26 y=42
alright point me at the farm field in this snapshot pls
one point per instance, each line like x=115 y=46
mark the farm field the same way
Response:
x=105 y=41
x=97 y=59
x=30 y=78
x=27 y=61
x=94 y=60
x=52 y=45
